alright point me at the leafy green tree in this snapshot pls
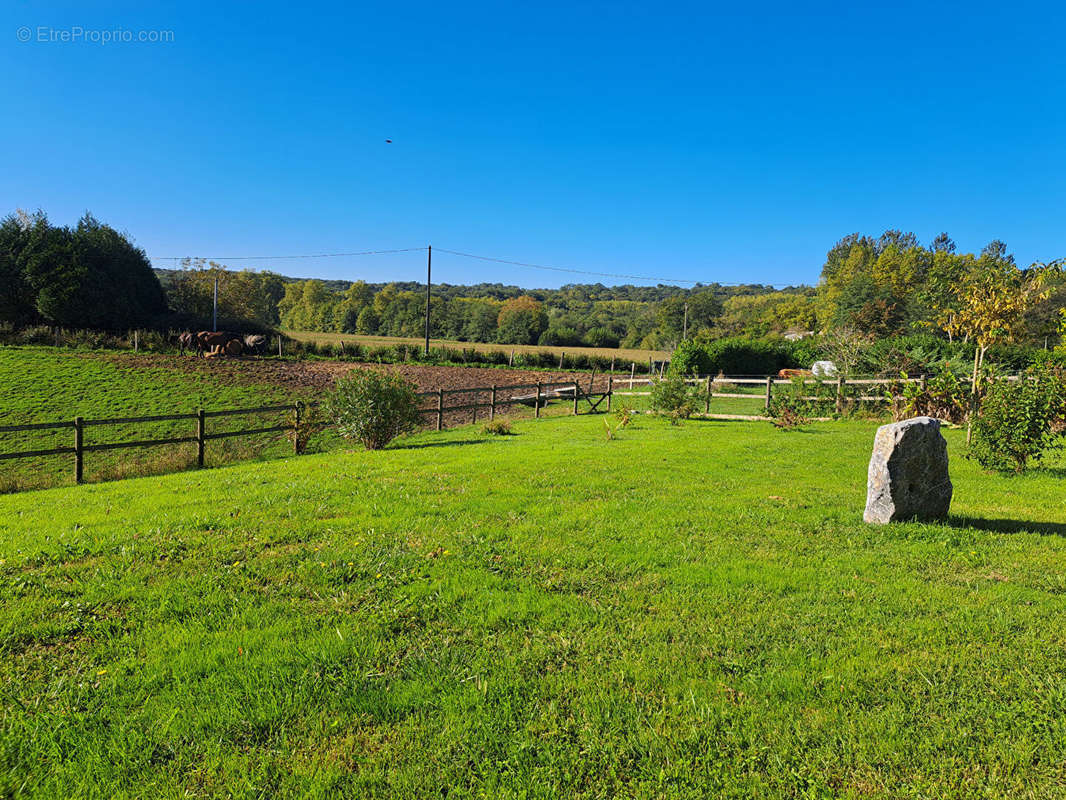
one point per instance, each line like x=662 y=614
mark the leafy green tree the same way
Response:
x=368 y=321
x=308 y=306
x=245 y=298
x=521 y=321
x=17 y=298
x=703 y=309
x=89 y=276
x=479 y=320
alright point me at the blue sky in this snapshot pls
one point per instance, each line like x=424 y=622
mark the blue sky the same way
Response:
x=735 y=143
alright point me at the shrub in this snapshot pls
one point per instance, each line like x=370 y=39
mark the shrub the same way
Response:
x=916 y=354
x=944 y=397
x=373 y=407
x=690 y=358
x=1017 y=420
x=800 y=401
x=732 y=356
x=498 y=427
x=672 y=397
x=624 y=415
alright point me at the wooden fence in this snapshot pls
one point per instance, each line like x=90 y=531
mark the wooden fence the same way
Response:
x=500 y=398
x=78 y=448
x=767 y=387
x=536 y=395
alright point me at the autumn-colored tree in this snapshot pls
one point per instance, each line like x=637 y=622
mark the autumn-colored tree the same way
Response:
x=521 y=321
x=990 y=302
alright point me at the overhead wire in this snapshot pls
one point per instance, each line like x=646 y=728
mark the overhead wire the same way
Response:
x=461 y=254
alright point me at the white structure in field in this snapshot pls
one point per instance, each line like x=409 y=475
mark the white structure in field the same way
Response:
x=824 y=369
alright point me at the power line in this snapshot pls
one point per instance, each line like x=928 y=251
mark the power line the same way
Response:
x=602 y=274
x=564 y=269
x=491 y=259
x=276 y=258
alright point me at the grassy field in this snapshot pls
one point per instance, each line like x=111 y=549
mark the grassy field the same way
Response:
x=624 y=355
x=693 y=611
x=46 y=384
x=43 y=384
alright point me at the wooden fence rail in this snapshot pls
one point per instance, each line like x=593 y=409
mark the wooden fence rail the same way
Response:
x=201 y=436
x=539 y=394
x=766 y=386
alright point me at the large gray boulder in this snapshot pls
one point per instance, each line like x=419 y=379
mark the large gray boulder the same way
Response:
x=908 y=477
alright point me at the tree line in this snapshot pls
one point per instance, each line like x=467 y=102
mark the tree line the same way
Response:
x=871 y=288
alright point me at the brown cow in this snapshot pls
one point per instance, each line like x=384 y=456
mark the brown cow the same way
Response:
x=795 y=373
x=216 y=343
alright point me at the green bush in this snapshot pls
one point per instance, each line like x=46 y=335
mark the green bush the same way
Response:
x=1017 y=420
x=498 y=427
x=799 y=401
x=690 y=358
x=944 y=396
x=733 y=356
x=672 y=397
x=373 y=407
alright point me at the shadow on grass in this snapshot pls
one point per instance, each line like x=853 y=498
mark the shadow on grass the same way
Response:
x=422 y=445
x=1008 y=525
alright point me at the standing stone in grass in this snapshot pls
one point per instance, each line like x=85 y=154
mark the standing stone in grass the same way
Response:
x=908 y=477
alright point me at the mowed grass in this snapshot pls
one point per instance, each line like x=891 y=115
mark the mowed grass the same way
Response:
x=624 y=355
x=693 y=611
x=43 y=384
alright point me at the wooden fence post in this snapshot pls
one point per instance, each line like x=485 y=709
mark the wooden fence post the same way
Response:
x=492 y=403
x=440 y=408
x=707 y=405
x=769 y=390
x=577 y=391
x=612 y=362
x=610 y=391
x=296 y=427
x=924 y=382
x=136 y=340
x=510 y=361
x=561 y=354
x=279 y=345
x=536 y=404
x=592 y=379
x=79 y=451
x=632 y=371
x=840 y=394
x=201 y=430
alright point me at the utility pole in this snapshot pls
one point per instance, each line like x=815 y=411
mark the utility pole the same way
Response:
x=429 y=275
x=214 y=319
x=684 y=334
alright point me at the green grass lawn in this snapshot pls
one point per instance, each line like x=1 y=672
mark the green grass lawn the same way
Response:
x=693 y=611
x=43 y=384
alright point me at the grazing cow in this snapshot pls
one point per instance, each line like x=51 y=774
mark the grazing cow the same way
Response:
x=216 y=343
x=795 y=373
x=255 y=343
